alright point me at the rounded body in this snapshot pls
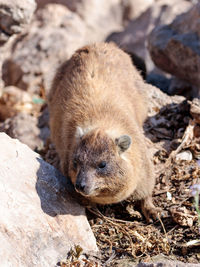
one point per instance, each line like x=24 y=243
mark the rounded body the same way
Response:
x=97 y=108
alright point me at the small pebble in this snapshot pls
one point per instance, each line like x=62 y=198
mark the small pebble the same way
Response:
x=185 y=155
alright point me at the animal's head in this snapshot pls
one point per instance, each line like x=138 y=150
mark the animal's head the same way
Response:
x=98 y=164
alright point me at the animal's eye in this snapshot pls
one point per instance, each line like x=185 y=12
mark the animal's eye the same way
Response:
x=75 y=164
x=102 y=165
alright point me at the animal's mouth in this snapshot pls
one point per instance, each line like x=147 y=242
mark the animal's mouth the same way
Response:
x=89 y=192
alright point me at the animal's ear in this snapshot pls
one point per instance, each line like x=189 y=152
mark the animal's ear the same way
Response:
x=79 y=132
x=123 y=143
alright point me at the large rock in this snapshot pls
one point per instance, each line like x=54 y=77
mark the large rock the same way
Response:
x=156 y=99
x=14 y=17
x=103 y=16
x=26 y=128
x=39 y=222
x=57 y=30
x=175 y=47
x=181 y=87
x=134 y=37
x=52 y=37
x=133 y=9
x=100 y=17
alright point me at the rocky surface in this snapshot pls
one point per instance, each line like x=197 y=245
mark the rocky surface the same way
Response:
x=37 y=53
x=14 y=100
x=53 y=36
x=39 y=222
x=98 y=13
x=133 y=9
x=180 y=87
x=15 y=15
x=157 y=99
x=100 y=17
x=134 y=37
x=27 y=129
x=75 y=23
x=175 y=47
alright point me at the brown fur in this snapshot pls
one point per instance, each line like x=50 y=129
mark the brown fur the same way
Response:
x=95 y=98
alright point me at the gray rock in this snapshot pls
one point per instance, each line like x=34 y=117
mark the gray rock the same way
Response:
x=54 y=34
x=14 y=17
x=175 y=47
x=134 y=37
x=159 y=81
x=133 y=9
x=111 y=14
x=157 y=99
x=27 y=129
x=39 y=221
x=180 y=87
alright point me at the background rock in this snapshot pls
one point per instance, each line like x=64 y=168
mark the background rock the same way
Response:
x=12 y=101
x=55 y=33
x=114 y=11
x=40 y=221
x=134 y=37
x=156 y=99
x=25 y=127
x=160 y=81
x=180 y=87
x=133 y=9
x=37 y=53
x=175 y=47
x=100 y=17
x=15 y=15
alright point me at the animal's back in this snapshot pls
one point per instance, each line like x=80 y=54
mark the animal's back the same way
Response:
x=99 y=82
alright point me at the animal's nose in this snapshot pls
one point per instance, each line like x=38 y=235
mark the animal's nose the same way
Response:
x=80 y=186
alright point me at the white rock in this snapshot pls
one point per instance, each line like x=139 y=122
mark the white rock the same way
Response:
x=185 y=155
x=39 y=222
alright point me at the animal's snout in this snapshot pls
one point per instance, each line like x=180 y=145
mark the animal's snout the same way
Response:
x=80 y=186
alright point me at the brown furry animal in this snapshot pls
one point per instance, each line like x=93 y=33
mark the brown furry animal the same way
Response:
x=96 y=114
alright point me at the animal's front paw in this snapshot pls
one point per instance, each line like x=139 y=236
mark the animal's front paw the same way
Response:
x=149 y=210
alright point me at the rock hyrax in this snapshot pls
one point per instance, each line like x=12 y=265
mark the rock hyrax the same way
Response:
x=97 y=109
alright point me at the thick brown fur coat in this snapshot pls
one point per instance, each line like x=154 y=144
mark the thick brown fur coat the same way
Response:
x=95 y=99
